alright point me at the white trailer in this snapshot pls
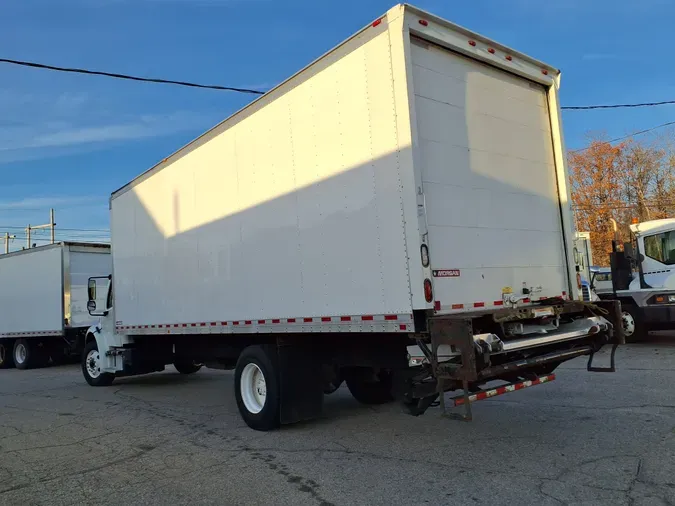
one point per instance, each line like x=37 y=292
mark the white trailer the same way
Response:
x=43 y=301
x=406 y=192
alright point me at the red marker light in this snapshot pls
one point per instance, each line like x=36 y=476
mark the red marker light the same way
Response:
x=491 y=51
x=544 y=71
x=509 y=57
x=377 y=22
x=423 y=22
x=472 y=43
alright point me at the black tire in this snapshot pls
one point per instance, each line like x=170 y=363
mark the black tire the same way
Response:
x=186 y=366
x=369 y=386
x=103 y=379
x=26 y=354
x=264 y=359
x=640 y=331
x=6 y=354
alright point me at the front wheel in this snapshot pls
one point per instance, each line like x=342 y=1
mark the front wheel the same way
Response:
x=369 y=386
x=633 y=326
x=256 y=387
x=91 y=367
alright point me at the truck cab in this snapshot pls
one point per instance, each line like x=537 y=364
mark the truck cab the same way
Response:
x=643 y=278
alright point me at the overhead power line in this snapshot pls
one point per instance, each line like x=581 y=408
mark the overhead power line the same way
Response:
x=639 y=132
x=616 y=106
x=116 y=75
x=128 y=77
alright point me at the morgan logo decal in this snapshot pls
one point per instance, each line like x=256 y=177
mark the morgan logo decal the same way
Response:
x=445 y=273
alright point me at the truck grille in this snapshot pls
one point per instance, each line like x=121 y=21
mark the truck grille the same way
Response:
x=586 y=293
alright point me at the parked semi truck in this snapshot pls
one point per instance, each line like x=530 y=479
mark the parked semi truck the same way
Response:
x=43 y=301
x=395 y=215
x=642 y=276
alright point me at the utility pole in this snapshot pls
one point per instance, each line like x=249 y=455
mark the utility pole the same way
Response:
x=51 y=225
x=7 y=238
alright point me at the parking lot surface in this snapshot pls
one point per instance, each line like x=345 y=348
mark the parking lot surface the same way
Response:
x=586 y=438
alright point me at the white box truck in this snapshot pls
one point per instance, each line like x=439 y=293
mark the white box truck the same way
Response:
x=43 y=301
x=396 y=215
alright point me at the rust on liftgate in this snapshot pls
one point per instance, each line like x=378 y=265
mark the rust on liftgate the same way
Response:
x=458 y=334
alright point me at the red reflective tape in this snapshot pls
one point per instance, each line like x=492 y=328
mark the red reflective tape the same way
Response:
x=526 y=301
x=437 y=305
x=185 y=325
x=175 y=325
x=235 y=323
x=479 y=304
x=248 y=322
x=391 y=317
x=261 y=322
x=152 y=326
x=145 y=327
x=325 y=318
x=203 y=324
x=403 y=327
x=276 y=321
x=291 y=320
x=345 y=318
x=223 y=323
x=498 y=303
x=457 y=306
x=193 y=325
x=213 y=324
x=367 y=318
x=308 y=320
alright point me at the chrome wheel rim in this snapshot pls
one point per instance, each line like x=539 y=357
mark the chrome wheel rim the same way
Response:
x=20 y=353
x=253 y=388
x=628 y=324
x=93 y=364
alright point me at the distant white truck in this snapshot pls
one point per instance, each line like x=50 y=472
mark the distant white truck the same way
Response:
x=642 y=277
x=396 y=215
x=43 y=301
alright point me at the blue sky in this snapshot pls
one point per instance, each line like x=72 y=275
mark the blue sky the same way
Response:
x=67 y=141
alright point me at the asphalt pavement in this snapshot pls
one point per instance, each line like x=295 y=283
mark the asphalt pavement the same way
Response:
x=164 y=439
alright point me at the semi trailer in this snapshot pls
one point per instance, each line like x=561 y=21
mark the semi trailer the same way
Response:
x=396 y=216
x=43 y=301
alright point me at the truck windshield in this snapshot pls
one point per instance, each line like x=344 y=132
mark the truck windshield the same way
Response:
x=661 y=247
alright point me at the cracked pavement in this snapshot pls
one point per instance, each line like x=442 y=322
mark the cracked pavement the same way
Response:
x=586 y=438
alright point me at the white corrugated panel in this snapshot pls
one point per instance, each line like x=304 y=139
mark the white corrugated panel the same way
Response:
x=31 y=299
x=293 y=210
x=486 y=153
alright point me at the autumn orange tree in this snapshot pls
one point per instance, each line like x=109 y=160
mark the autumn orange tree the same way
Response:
x=627 y=181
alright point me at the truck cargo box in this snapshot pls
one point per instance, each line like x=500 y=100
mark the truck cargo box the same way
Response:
x=45 y=288
x=313 y=208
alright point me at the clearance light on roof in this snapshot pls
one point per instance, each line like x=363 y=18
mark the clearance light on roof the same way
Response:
x=544 y=71
x=377 y=22
x=509 y=57
x=472 y=43
x=423 y=22
x=491 y=51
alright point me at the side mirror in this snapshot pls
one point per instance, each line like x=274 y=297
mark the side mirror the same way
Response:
x=91 y=306
x=91 y=289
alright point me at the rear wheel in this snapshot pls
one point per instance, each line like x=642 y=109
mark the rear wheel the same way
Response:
x=28 y=354
x=633 y=327
x=184 y=366
x=368 y=385
x=91 y=366
x=6 y=354
x=256 y=387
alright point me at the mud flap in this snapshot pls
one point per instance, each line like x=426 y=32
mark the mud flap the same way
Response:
x=300 y=382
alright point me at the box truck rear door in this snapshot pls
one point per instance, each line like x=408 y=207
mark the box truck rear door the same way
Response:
x=486 y=154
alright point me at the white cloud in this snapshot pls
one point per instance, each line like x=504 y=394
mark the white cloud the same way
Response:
x=46 y=139
x=38 y=203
